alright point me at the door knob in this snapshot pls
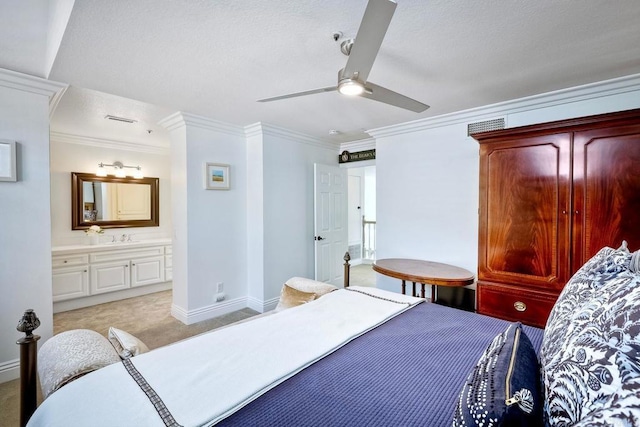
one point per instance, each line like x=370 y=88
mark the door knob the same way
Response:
x=318 y=238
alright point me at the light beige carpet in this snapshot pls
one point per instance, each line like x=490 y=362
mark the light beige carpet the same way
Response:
x=362 y=275
x=147 y=317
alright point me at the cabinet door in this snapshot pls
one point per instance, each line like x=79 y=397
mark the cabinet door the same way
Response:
x=524 y=204
x=70 y=283
x=108 y=277
x=147 y=271
x=606 y=171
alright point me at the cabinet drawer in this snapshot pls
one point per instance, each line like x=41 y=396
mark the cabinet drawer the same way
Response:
x=515 y=304
x=127 y=254
x=69 y=260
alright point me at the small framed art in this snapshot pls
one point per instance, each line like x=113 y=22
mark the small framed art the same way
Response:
x=216 y=176
x=8 y=161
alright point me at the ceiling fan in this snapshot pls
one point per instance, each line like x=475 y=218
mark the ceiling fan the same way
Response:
x=352 y=79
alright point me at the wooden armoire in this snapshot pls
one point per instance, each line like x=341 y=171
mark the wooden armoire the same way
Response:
x=552 y=195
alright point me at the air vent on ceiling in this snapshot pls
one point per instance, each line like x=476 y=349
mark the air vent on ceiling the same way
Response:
x=120 y=119
x=485 y=126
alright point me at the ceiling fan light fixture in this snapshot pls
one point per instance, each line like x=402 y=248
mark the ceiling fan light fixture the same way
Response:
x=350 y=87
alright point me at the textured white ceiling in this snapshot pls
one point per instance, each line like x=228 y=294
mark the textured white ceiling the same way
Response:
x=216 y=58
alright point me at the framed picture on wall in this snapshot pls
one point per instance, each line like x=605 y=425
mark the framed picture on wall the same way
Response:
x=216 y=176
x=8 y=161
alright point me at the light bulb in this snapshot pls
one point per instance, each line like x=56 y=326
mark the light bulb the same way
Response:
x=138 y=173
x=350 y=87
x=101 y=170
x=120 y=173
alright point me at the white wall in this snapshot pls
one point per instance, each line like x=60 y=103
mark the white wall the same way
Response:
x=254 y=236
x=209 y=236
x=289 y=204
x=428 y=178
x=25 y=214
x=255 y=217
x=70 y=157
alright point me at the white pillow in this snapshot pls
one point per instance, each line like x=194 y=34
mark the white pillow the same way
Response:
x=126 y=344
x=309 y=285
x=70 y=355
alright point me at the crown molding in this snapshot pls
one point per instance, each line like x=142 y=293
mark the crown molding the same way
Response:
x=31 y=84
x=359 y=145
x=172 y=122
x=549 y=99
x=181 y=119
x=55 y=100
x=106 y=143
x=291 y=135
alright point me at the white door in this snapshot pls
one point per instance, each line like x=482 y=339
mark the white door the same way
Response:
x=355 y=215
x=331 y=234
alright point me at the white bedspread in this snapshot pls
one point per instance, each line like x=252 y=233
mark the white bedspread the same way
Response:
x=206 y=378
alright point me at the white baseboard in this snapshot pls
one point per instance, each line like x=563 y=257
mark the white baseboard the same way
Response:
x=262 y=306
x=9 y=370
x=74 y=304
x=189 y=317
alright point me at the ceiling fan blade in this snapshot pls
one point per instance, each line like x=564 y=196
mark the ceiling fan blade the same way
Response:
x=379 y=93
x=373 y=27
x=294 y=95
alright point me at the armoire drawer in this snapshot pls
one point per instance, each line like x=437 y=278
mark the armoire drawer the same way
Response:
x=515 y=304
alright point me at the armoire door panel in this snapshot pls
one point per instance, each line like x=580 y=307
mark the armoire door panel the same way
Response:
x=606 y=190
x=524 y=220
x=551 y=196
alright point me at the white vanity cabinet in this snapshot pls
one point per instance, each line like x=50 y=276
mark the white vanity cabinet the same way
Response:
x=87 y=275
x=168 y=263
x=109 y=277
x=70 y=276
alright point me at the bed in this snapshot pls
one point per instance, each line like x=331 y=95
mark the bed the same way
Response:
x=367 y=357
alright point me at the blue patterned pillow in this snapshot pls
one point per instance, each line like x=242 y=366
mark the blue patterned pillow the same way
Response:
x=504 y=387
x=622 y=409
x=591 y=345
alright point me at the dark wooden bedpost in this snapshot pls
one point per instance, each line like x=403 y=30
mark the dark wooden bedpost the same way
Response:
x=28 y=365
x=347 y=268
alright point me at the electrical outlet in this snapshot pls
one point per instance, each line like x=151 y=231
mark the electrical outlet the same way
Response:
x=220 y=287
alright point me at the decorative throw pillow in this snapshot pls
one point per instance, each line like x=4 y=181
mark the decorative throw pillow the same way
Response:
x=607 y=265
x=70 y=355
x=622 y=409
x=126 y=344
x=291 y=297
x=634 y=263
x=504 y=387
x=309 y=285
x=592 y=351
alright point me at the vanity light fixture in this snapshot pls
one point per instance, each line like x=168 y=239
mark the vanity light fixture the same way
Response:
x=119 y=170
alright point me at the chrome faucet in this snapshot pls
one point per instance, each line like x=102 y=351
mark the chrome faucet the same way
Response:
x=123 y=238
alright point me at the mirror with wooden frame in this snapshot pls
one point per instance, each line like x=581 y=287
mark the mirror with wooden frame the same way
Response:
x=112 y=202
